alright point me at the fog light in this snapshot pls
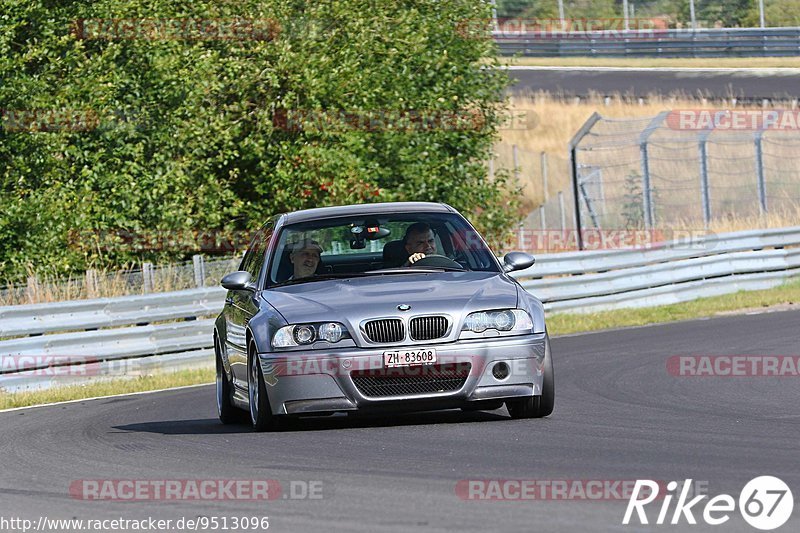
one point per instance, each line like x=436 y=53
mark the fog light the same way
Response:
x=500 y=371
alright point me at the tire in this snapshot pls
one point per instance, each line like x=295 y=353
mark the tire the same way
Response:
x=227 y=412
x=537 y=406
x=261 y=416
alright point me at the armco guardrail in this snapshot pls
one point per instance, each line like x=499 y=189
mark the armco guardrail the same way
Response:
x=675 y=272
x=63 y=342
x=36 y=319
x=43 y=339
x=716 y=42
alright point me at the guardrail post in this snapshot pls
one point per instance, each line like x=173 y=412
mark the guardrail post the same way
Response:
x=563 y=212
x=762 y=182
x=542 y=219
x=92 y=288
x=515 y=156
x=147 y=276
x=200 y=270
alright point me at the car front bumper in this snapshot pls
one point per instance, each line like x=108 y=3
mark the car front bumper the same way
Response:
x=322 y=381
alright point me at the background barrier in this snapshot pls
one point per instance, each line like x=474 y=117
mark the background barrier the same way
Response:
x=75 y=341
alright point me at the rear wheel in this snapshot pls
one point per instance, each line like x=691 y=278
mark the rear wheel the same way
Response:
x=228 y=413
x=261 y=415
x=537 y=406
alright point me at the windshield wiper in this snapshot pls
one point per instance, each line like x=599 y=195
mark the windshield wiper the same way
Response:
x=322 y=277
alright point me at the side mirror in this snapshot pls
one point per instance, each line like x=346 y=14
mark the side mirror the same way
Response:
x=238 y=281
x=514 y=261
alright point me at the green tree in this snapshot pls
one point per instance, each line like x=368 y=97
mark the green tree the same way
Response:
x=186 y=133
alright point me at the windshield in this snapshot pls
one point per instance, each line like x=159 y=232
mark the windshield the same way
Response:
x=378 y=245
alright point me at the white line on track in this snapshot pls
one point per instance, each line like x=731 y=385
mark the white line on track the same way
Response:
x=103 y=397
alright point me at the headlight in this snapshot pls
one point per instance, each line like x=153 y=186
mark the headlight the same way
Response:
x=304 y=334
x=331 y=332
x=508 y=321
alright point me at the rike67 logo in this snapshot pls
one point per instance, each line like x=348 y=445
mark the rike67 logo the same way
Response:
x=765 y=503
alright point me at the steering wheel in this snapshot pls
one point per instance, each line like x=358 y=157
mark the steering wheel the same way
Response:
x=437 y=261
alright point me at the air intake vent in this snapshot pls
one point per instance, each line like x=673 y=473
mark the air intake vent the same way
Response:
x=385 y=330
x=425 y=328
x=409 y=381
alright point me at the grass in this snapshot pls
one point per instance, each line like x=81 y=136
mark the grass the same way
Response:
x=645 y=62
x=563 y=323
x=181 y=378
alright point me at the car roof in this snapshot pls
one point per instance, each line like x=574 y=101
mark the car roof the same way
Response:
x=365 y=209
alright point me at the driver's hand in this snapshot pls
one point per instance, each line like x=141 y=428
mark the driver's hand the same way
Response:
x=415 y=257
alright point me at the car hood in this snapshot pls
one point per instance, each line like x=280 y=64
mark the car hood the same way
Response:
x=355 y=299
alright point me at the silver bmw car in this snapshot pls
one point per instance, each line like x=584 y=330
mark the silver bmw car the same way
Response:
x=378 y=308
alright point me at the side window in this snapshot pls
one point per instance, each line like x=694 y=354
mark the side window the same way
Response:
x=257 y=251
x=259 y=255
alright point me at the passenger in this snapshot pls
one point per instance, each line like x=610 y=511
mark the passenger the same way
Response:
x=305 y=258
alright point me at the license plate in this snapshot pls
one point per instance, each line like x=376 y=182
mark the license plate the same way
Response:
x=409 y=357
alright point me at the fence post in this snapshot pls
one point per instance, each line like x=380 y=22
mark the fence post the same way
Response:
x=573 y=168
x=762 y=182
x=647 y=198
x=515 y=156
x=200 y=270
x=33 y=289
x=92 y=288
x=647 y=192
x=542 y=219
x=543 y=159
x=147 y=276
x=704 y=192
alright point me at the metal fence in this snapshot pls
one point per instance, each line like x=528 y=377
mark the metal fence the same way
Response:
x=659 y=172
x=717 y=42
x=540 y=177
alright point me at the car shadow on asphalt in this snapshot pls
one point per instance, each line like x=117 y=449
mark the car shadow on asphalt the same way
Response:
x=207 y=426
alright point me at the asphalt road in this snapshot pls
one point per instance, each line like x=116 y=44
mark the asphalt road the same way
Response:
x=619 y=416
x=752 y=84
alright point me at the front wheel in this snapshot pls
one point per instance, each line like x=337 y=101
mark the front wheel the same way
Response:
x=537 y=406
x=227 y=412
x=260 y=412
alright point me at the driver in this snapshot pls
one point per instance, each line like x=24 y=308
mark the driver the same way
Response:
x=305 y=258
x=419 y=242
